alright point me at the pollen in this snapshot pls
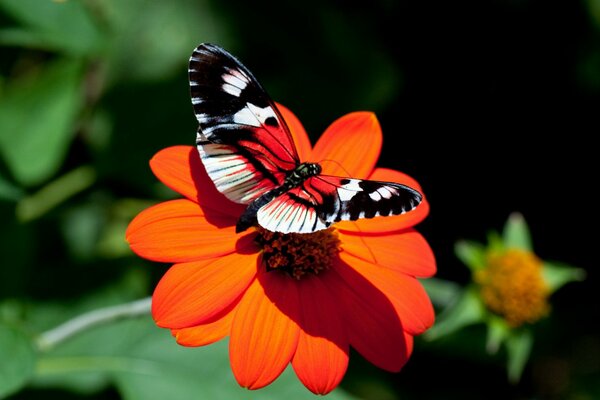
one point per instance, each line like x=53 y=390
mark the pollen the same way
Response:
x=512 y=286
x=298 y=254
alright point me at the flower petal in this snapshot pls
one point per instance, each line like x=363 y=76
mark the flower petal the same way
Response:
x=214 y=330
x=372 y=324
x=181 y=231
x=350 y=146
x=321 y=358
x=180 y=168
x=404 y=251
x=298 y=132
x=192 y=293
x=394 y=222
x=264 y=333
x=405 y=292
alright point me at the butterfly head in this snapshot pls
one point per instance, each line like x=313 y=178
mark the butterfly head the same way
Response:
x=306 y=170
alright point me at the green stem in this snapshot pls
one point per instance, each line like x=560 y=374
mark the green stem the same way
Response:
x=55 y=192
x=49 y=339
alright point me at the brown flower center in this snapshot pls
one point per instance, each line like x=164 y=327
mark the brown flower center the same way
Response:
x=298 y=253
x=512 y=286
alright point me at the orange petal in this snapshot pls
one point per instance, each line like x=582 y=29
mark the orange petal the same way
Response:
x=192 y=293
x=321 y=358
x=404 y=251
x=301 y=139
x=181 y=231
x=372 y=324
x=404 y=292
x=350 y=146
x=214 y=330
x=395 y=222
x=180 y=168
x=264 y=333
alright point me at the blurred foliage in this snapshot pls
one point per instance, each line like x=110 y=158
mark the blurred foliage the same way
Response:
x=91 y=89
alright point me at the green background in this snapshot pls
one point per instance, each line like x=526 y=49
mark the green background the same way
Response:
x=490 y=105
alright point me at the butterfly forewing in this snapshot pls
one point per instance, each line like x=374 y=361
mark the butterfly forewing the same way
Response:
x=322 y=200
x=242 y=139
x=250 y=155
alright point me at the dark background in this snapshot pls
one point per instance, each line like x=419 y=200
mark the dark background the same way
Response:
x=491 y=105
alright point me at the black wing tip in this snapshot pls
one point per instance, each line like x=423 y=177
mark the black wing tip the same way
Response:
x=209 y=49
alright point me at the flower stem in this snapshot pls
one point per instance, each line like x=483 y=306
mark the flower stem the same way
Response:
x=53 y=337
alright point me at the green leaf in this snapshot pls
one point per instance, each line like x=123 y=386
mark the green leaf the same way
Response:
x=442 y=293
x=65 y=26
x=37 y=117
x=8 y=191
x=161 y=34
x=498 y=331
x=54 y=193
x=467 y=311
x=558 y=274
x=470 y=253
x=495 y=242
x=516 y=233
x=16 y=361
x=518 y=346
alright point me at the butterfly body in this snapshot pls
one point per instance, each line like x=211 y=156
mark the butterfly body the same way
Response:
x=295 y=179
x=250 y=155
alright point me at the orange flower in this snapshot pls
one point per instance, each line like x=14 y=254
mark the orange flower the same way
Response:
x=354 y=285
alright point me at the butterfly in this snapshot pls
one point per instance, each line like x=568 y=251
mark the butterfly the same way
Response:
x=249 y=153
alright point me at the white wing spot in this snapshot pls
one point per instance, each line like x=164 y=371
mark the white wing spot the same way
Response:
x=232 y=90
x=234 y=82
x=235 y=78
x=252 y=115
x=202 y=118
x=386 y=192
x=348 y=191
x=375 y=196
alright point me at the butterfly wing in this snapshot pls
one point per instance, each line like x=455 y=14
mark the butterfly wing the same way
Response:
x=242 y=139
x=322 y=200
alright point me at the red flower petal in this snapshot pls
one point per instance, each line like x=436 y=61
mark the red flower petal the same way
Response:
x=350 y=146
x=395 y=222
x=372 y=324
x=180 y=168
x=214 y=330
x=405 y=251
x=301 y=139
x=264 y=334
x=192 y=293
x=181 y=231
x=321 y=358
x=406 y=293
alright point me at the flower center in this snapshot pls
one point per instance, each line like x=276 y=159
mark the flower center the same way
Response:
x=513 y=287
x=298 y=254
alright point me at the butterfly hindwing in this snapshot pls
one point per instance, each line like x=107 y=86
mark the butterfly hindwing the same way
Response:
x=243 y=141
x=322 y=200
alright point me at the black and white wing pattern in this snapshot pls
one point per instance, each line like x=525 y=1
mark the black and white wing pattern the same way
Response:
x=322 y=200
x=244 y=143
x=249 y=154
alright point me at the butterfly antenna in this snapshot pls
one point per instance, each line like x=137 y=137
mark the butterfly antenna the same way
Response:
x=336 y=162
